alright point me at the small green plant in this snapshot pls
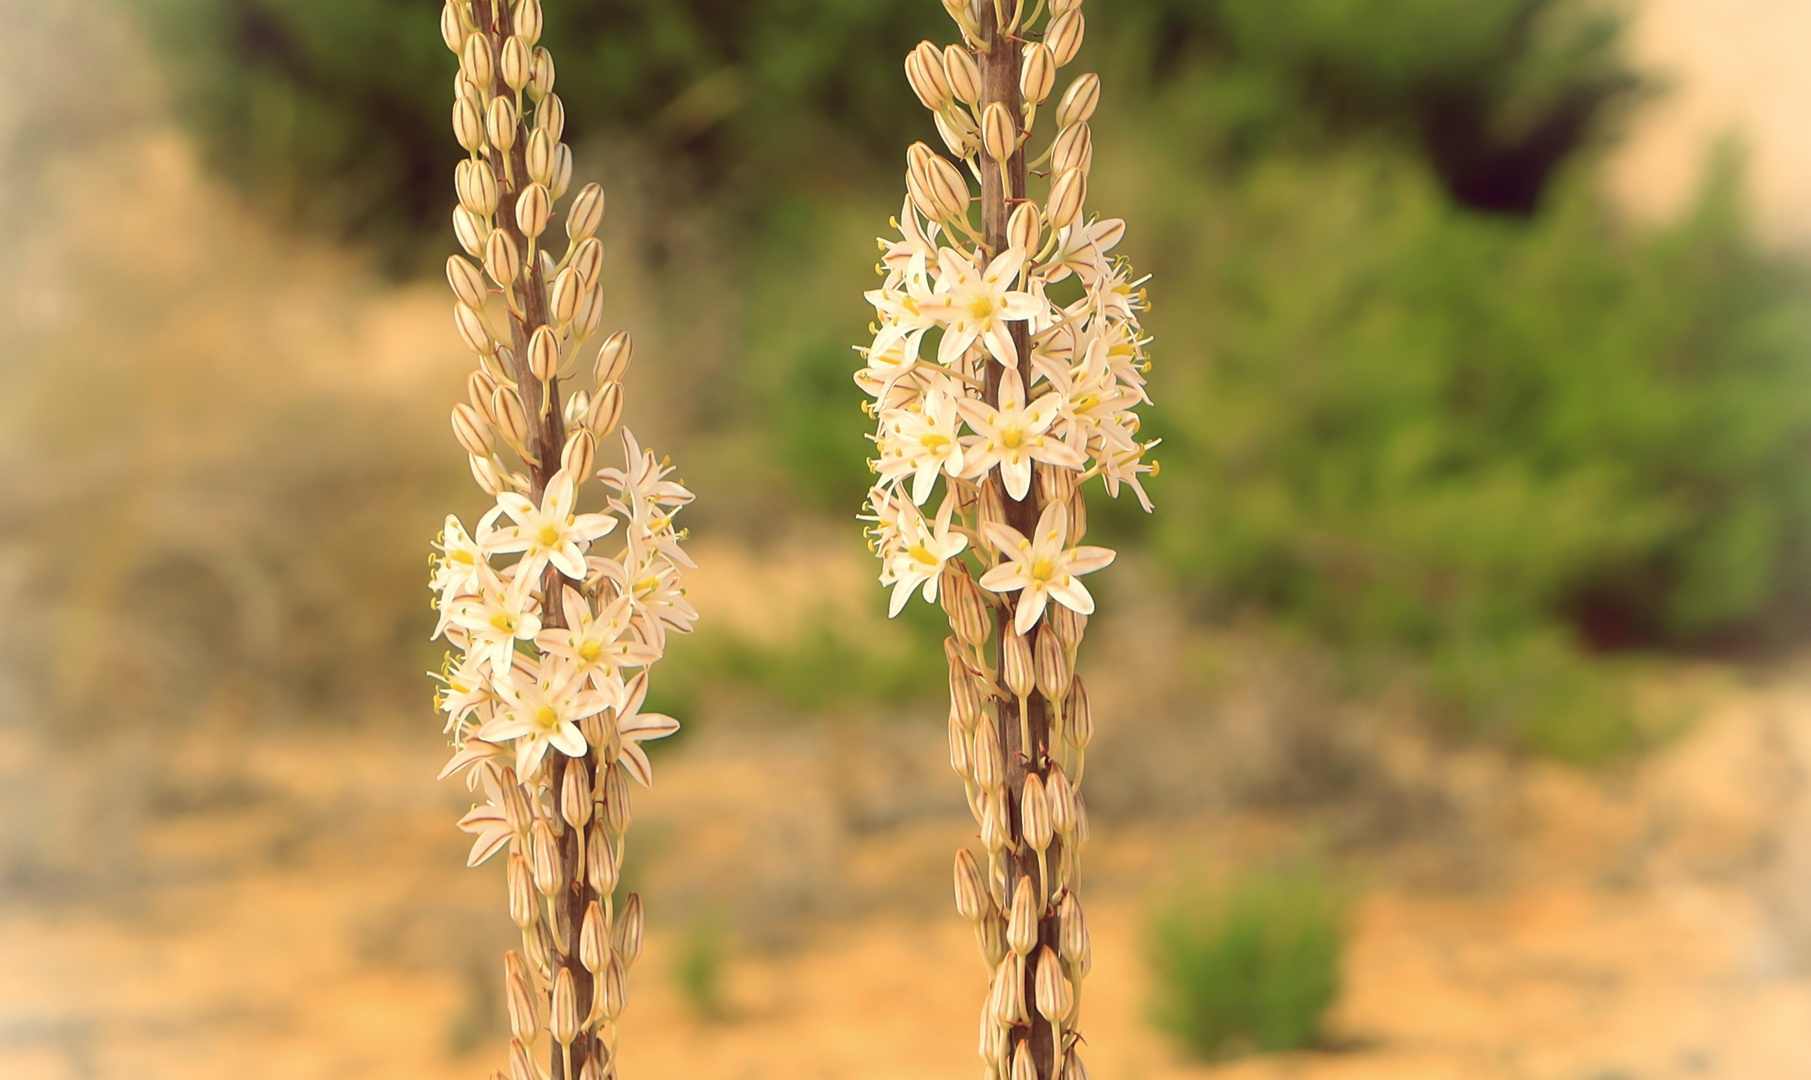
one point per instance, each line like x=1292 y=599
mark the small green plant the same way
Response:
x=1250 y=966
x=698 y=968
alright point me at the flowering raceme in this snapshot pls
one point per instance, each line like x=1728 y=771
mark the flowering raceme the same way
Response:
x=1038 y=373
x=553 y=629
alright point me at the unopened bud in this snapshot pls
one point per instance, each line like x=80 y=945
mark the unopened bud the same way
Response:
x=1055 y=998
x=1072 y=934
x=1064 y=35
x=452 y=27
x=500 y=123
x=591 y=314
x=1078 y=516
x=1052 y=665
x=467 y=281
x=924 y=70
x=971 y=894
x=1038 y=74
x=613 y=358
x=1078 y=718
x=1073 y=149
x=477 y=187
x=961 y=137
x=544 y=354
x=965 y=698
x=468 y=125
x=1009 y=991
x=960 y=746
x=617 y=811
x=564 y=1023
x=1034 y=813
x=963 y=76
x=521 y=1063
x=539 y=157
x=545 y=854
x=533 y=207
x=1061 y=796
x=540 y=81
x=963 y=602
x=512 y=418
x=588 y=260
x=1025 y=231
x=472 y=431
x=576 y=460
x=479 y=386
x=606 y=410
x=1023 y=1067
x=475 y=61
x=594 y=943
x=550 y=116
x=1066 y=197
x=536 y=948
x=1022 y=920
x=996 y=831
x=470 y=229
x=521 y=890
x=1016 y=664
x=1067 y=624
x=472 y=329
x=515 y=64
x=528 y=20
x=562 y=170
x=985 y=759
x=627 y=940
x=993 y=504
x=990 y=938
x=575 y=791
x=612 y=990
x=586 y=212
x=999 y=133
x=1078 y=101
x=502 y=261
x=1073 y=1069
x=568 y=291
x=600 y=863
x=519 y=996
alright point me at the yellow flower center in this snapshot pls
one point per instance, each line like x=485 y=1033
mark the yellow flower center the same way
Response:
x=590 y=651
x=981 y=306
x=1043 y=570
x=1086 y=402
x=550 y=535
x=1012 y=438
x=546 y=717
x=932 y=441
x=922 y=555
x=503 y=620
x=460 y=555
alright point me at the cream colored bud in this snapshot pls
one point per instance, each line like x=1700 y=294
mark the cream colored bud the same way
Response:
x=1052 y=665
x=567 y=293
x=1016 y=665
x=468 y=125
x=1023 y=1067
x=1061 y=796
x=1022 y=920
x=472 y=431
x=544 y=857
x=1055 y=998
x=1080 y=839
x=1067 y=623
x=594 y=941
x=541 y=75
x=575 y=789
x=961 y=141
x=613 y=358
x=1038 y=74
x=612 y=990
x=1078 y=719
x=924 y=70
x=1078 y=515
x=519 y=997
x=479 y=386
x=1034 y=813
x=475 y=61
x=521 y=890
x=942 y=191
x=1073 y=149
x=502 y=260
x=564 y=1023
x=1025 y=231
x=538 y=156
x=971 y=894
x=544 y=354
x=521 y=1062
x=476 y=186
x=1078 y=101
x=965 y=698
x=591 y=314
x=533 y=207
x=577 y=407
x=960 y=745
x=588 y=260
x=1066 y=197
x=1064 y=7
x=515 y=64
x=617 y=810
x=993 y=503
x=470 y=229
x=467 y=282
x=963 y=603
x=472 y=329
x=999 y=133
x=601 y=870
x=1073 y=1069
x=550 y=116
x=562 y=170
x=990 y=938
x=576 y=461
x=490 y=478
x=1009 y=987
x=996 y=831
x=963 y=76
x=1064 y=35
x=1072 y=934
x=528 y=20
x=452 y=27
x=627 y=939
x=989 y=769
x=606 y=410
x=586 y=212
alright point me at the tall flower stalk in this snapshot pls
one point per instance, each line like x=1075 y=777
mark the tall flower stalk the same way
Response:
x=555 y=614
x=1031 y=391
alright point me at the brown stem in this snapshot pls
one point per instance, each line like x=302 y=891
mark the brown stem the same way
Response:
x=999 y=62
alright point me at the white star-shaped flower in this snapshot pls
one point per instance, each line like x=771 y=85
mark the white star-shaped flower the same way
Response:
x=922 y=442
x=635 y=727
x=597 y=646
x=1042 y=568
x=549 y=533
x=544 y=713
x=1013 y=435
x=976 y=304
x=922 y=550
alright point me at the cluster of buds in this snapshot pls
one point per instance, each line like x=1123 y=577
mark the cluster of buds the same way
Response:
x=553 y=634
x=1038 y=371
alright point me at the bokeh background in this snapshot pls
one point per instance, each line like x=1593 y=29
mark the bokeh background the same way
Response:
x=1455 y=718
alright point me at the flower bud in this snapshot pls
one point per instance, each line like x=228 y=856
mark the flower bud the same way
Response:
x=539 y=157
x=536 y=948
x=963 y=76
x=993 y=504
x=468 y=125
x=1023 y=1067
x=452 y=27
x=500 y=123
x=475 y=61
x=1038 y=74
x=477 y=187
x=999 y=133
x=467 y=281
x=544 y=852
x=1034 y=813
x=1025 y=231
x=1080 y=840
x=1061 y=796
x=1078 y=719
x=1064 y=35
x=470 y=229
x=924 y=70
x=963 y=602
x=576 y=461
x=1073 y=149
x=544 y=354
x=1052 y=665
x=612 y=990
x=965 y=698
x=617 y=811
x=990 y=938
x=594 y=942
x=1078 y=516
x=1078 y=101
x=528 y=20
x=515 y=64
x=562 y=170
x=1009 y=991
x=564 y=1023
x=588 y=260
x=586 y=212
x=1073 y=1069
x=521 y=1062
x=512 y=418
x=519 y=996
x=1067 y=624
x=961 y=137
x=606 y=410
x=541 y=75
x=960 y=746
x=472 y=431
x=567 y=293
x=1016 y=665
x=502 y=261
x=533 y=207
x=550 y=116
x=1022 y=920
x=591 y=314
x=575 y=791
x=627 y=939
x=601 y=871
x=971 y=894
x=1072 y=934
x=942 y=185
x=1066 y=197
x=521 y=890
x=613 y=358
x=472 y=329
x=989 y=769
x=1055 y=998
x=996 y=831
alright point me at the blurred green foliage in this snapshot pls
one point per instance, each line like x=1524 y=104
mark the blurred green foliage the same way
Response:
x=1424 y=397
x=1249 y=966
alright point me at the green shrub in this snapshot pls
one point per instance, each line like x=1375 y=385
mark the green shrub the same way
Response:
x=1250 y=967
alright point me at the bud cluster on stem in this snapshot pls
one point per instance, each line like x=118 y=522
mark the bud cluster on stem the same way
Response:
x=553 y=634
x=1033 y=390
